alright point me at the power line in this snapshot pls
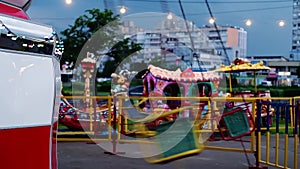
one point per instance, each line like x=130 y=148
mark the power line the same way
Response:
x=218 y=12
x=218 y=2
x=244 y=10
x=218 y=31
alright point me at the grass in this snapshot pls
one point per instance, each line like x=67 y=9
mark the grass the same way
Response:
x=281 y=127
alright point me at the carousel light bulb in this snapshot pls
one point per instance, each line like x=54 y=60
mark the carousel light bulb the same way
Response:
x=68 y=2
x=248 y=22
x=211 y=20
x=281 y=23
x=122 y=10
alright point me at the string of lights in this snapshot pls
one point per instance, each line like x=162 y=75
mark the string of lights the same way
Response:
x=244 y=10
x=217 y=12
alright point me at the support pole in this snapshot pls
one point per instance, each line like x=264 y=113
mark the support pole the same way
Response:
x=114 y=137
x=230 y=83
x=255 y=86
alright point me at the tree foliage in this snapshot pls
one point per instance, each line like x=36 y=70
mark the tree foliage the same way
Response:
x=82 y=30
x=97 y=32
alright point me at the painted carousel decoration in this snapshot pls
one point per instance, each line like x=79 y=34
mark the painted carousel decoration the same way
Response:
x=120 y=82
x=156 y=82
x=88 y=66
x=160 y=82
x=72 y=117
x=178 y=83
x=242 y=65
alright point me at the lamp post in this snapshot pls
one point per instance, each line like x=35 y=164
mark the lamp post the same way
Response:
x=123 y=10
x=68 y=2
x=88 y=65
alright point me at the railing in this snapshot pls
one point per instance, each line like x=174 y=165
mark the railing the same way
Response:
x=106 y=113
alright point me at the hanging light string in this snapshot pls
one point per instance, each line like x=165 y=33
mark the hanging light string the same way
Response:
x=218 y=2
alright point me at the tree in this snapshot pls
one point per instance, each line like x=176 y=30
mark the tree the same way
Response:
x=97 y=32
x=81 y=31
x=119 y=52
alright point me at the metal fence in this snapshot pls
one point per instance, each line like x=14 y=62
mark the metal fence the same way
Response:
x=270 y=125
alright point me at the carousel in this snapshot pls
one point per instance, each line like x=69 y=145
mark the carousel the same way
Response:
x=242 y=65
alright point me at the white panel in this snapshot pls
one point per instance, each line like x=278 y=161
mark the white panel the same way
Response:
x=27 y=90
x=58 y=87
x=26 y=28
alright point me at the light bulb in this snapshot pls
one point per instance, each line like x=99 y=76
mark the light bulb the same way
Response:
x=281 y=23
x=169 y=16
x=122 y=10
x=68 y=2
x=211 y=20
x=248 y=22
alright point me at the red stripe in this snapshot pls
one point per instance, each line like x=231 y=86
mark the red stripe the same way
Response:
x=13 y=11
x=25 y=148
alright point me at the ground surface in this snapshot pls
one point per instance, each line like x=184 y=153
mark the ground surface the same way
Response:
x=80 y=155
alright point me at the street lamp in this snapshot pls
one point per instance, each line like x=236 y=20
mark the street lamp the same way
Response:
x=248 y=22
x=169 y=16
x=122 y=10
x=211 y=20
x=68 y=2
x=281 y=23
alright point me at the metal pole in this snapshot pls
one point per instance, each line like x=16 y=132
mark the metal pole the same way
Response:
x=230 y=83
x=218 y=32
x=255 y=86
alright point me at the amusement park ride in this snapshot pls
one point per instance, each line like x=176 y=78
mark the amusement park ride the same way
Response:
x=30 y=89
x=32 y=86
x=170 y=96
x=158 y=82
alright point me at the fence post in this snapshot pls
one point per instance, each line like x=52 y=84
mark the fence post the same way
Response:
x=296 y=119
x=257 y=153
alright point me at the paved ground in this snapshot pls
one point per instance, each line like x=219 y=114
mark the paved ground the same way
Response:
x=80 y=155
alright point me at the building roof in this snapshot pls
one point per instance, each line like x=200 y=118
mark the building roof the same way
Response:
x=283 y=64
x=260 y=57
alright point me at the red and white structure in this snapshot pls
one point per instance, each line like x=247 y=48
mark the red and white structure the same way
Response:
x=30 y=90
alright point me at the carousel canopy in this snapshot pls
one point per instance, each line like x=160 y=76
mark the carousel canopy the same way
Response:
x=187 y=76
x=241 y=65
